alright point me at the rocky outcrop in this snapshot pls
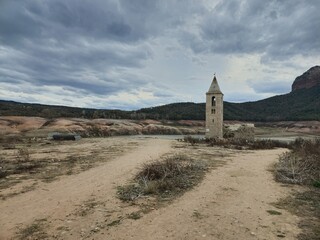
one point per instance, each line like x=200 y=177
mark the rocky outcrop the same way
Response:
x=309 y=79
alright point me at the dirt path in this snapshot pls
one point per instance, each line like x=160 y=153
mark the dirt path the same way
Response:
x=231 y=203
x=59 y=199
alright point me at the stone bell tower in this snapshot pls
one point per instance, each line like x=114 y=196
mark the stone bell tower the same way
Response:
x=214 y=111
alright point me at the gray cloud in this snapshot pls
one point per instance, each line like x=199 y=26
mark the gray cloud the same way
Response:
x=277 y=29
x=74 y=44
x=64 y=20
x=78 y=43
x=102 y=47
x=270 y=86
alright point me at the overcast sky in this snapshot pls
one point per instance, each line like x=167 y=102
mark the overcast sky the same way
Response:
x=130 y=54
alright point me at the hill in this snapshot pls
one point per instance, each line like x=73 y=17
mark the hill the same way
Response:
x=11 y=108
x=303 y=103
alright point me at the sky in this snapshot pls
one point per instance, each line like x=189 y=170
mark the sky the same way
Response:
x=131 y=54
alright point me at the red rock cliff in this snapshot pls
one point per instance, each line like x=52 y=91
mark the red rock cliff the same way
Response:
x=309 y=79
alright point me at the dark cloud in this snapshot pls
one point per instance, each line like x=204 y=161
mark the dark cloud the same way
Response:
x=277 y=29
x=79 y=44
x=84 y=68
x=75 y=44
x=101 y=47
x=64 y=20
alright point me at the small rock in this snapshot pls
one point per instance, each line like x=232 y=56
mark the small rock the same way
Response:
x=281 y=235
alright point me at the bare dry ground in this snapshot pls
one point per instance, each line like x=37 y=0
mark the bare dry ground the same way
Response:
x=234 y=201
x=40 y=127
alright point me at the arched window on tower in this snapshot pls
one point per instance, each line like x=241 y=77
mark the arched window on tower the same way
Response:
x=213 y=101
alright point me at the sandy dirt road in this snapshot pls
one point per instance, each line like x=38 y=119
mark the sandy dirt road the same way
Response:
x=58 y=199
x=231 y=203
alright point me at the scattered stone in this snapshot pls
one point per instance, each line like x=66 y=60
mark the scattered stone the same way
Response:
x=281 y=235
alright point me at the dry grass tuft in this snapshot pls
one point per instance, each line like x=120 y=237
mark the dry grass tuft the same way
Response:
x=34 y=230
x=306 y=205
x=23 y=155
x=164 y=179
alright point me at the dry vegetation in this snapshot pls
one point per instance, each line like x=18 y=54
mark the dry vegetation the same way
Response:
x=302 y=166
x=238 y=143
x=35 y=230
x=159 y=182
x=306 y=205
x=24 y=162
x=164 y=178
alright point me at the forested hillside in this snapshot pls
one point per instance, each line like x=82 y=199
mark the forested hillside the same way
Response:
x=10 y=108
x=302 y=104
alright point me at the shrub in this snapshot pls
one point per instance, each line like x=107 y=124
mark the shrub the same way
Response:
x=267 y=144
x=23 y=155
x=192 y=140
x=302 y=164
x=239 y=143
x=166 y=178
x=244 y=132
x=227 y=132
x=9 y=142
x=3 y=174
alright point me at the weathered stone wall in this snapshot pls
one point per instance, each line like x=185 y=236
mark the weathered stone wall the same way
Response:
x=214 y=116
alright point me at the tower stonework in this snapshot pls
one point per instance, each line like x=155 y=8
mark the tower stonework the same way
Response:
x=214 y=111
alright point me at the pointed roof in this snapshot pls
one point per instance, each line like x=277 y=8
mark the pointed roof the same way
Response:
x=214 y=88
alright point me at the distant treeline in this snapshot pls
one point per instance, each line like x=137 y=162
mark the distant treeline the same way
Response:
x=299 y=105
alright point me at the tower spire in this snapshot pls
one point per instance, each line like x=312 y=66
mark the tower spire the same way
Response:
x=214 y=87
x=214 y=110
